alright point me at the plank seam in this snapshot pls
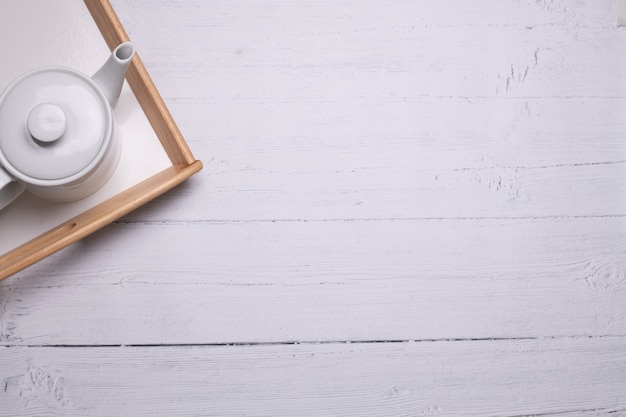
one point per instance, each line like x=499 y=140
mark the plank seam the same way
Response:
x=327 y=342
x=575 y=411
x=356 y=220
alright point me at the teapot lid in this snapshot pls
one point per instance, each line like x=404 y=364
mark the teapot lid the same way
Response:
x=55 y=124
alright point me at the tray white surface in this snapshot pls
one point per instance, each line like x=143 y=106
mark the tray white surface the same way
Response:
x=63 y=33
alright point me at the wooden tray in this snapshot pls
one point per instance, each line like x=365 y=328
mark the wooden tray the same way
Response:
x=183 y=162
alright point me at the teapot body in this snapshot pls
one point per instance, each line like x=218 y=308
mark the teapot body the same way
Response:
x=88 y=183
x=58 y=136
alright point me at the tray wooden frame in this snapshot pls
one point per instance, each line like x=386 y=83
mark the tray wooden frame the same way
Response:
x=183 y=162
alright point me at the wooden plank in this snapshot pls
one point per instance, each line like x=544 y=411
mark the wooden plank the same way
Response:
x=396 y=181
x=355 y=14
x=563 y=377
x=432 y=133
x=324 y=281
x=309 y=51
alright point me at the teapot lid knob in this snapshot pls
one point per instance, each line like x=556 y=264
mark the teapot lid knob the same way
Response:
x=46 y=122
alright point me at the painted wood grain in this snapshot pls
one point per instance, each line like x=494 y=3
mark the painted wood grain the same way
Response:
x=570 y=377
x=354 y=13
x=325 y=281
x=317 y=184
x=287 y=51
x=407 y=208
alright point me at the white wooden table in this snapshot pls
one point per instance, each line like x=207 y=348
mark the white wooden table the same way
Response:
x=407 y=208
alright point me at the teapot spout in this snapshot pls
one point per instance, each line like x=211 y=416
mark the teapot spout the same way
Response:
x=110 y=76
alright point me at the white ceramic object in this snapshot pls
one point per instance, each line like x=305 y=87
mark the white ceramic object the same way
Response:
x=58 y=138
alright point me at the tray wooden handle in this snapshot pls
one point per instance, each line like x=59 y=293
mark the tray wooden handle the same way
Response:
x=140 y=82
x=94 y=219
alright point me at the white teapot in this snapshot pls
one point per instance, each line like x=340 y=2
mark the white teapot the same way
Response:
x=58 y=138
